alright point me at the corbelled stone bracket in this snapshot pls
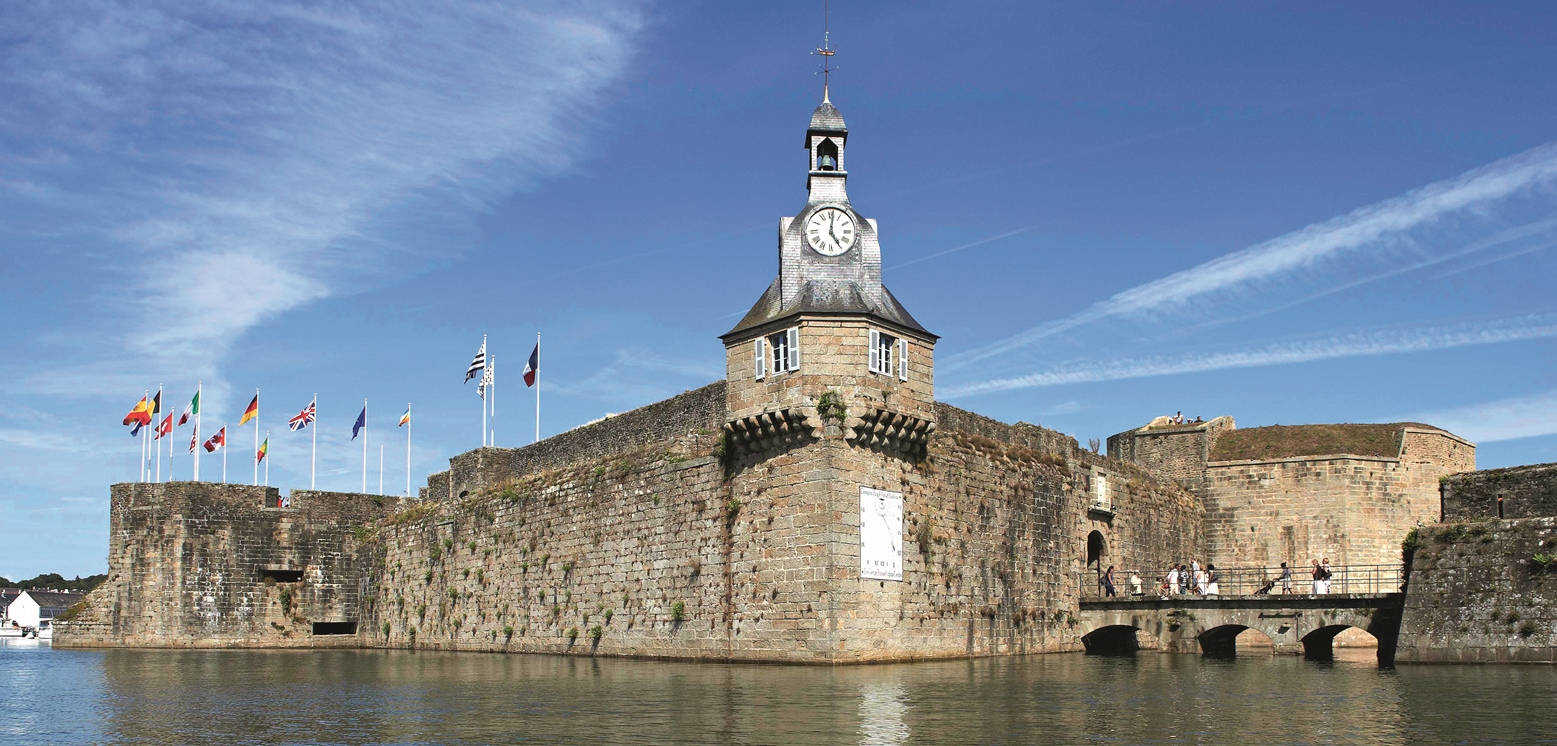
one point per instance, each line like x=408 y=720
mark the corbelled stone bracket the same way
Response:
x=891 y=431
x=771 y=430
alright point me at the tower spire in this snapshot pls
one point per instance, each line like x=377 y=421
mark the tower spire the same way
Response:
x=826 y=52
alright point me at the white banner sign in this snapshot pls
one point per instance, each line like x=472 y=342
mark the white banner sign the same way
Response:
x=881 y=534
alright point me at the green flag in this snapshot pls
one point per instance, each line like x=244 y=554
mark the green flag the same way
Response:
x=191 y=410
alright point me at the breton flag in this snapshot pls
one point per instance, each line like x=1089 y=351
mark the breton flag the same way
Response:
x=263 y=450
x=304 y=418
x=486 y=380
x=362 y=422
x=191 y=410
x=479 y=364
x=217 y=441
x=140 y=415
x=164 y=428
x=405 y=419
x=251 y=412
x=533 y=365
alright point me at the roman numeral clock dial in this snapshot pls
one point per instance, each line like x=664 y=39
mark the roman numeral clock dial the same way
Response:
x=830 y=231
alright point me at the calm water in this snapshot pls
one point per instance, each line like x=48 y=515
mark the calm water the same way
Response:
x=59 y=696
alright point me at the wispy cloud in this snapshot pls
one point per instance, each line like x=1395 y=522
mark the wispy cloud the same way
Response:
x=1354 y=344
x=1505 y=419
x=247 y=160
x=1396 y=234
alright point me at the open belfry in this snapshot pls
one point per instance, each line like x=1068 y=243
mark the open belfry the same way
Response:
x=816 y=506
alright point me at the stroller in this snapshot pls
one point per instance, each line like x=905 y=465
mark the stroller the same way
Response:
x=1264 y=590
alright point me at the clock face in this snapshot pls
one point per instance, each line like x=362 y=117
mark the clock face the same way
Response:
x=830 y=231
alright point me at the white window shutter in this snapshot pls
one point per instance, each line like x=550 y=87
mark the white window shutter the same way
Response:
x=902 y=359
x=794 y=349
x=875 y=351
x=762 y=357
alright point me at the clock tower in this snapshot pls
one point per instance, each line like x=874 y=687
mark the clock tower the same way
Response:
x=827 y=350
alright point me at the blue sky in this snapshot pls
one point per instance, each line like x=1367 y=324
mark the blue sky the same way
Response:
x=1286 y=213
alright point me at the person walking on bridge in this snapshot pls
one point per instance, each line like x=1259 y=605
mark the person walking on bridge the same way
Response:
x=1172 y=584
x=1286 y=579
x=1108 y=583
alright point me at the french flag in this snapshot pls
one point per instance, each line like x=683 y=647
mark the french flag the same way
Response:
x=532 y=367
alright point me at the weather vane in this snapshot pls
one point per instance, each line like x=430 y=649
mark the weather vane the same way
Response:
x=826 y=51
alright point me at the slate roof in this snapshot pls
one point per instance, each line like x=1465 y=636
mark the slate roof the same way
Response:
x=827 y=118
x=825 y=297
x=55 y=599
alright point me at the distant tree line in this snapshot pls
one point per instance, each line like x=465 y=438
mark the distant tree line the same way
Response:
x=57 y=582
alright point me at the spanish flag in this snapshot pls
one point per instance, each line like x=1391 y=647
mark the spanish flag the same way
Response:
x=251 y=412
x=140 y=416
x=264 y=450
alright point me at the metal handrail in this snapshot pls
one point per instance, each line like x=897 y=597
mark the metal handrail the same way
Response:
x=1249 y=581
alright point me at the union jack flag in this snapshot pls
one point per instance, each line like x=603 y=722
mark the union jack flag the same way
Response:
x=303 y=418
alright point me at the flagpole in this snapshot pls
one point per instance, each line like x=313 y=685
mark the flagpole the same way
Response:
x=313 y=458
x=267 y=457
x=408 y=425
x=364 y=446
x=156 y=423
x=537 y=387
x=256 y=440
x=492 y=399
x=147 y=398
x=381 y=468
x=198 y=386
x=224 y=452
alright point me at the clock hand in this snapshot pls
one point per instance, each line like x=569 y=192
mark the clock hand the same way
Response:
x=830 y=220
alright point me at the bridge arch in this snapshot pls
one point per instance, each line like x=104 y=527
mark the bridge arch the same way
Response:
x=1119 y=639
x=1319 y=644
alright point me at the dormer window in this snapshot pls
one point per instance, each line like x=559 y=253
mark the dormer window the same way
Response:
x=888 y=355
x=826 y=156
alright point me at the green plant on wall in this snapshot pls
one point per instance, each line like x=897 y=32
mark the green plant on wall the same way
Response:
x=594 y=634
x=572 y=634
x=830 y=406
x=678 y=611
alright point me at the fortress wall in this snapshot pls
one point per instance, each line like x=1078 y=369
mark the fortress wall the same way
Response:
x=700 y=409
x=764 y=554
x=1353 y=509
x=1177 y=452
x=1523 y=491
x=1478 y=594
x=187 y=562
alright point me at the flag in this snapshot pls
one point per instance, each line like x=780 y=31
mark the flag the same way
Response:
x=156 y=403
x=251 y=412
x=304 y=418
x=192 y=409
x=134 y=431
x=164 y=428
x=218 y=440
x=479 y=364
x=486 y=380
x=362 y=422
x=263 y=450
x=405 y=419
x=532 y=366
x=194 y=441
x=140 y=415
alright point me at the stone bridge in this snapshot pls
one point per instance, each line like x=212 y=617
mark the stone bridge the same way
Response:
x=1299 y=623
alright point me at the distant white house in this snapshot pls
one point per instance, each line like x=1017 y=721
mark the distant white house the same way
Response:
x=35 y=608
x=7 y=595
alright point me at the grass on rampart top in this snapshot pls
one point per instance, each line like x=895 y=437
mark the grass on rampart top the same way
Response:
x=1288 y=441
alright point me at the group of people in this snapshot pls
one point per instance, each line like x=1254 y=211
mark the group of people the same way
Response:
x=1185 y=579
x=1178 y=419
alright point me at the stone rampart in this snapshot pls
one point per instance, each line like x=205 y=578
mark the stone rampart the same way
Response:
x=206 y=565
x=674 y=549
x=1515 y=492
x=1482 y=591
x=700 y=410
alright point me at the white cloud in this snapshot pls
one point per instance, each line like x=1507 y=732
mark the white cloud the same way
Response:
x=1387 y=231
x=248 y=160
x=1504 y=419
x=1373 y=342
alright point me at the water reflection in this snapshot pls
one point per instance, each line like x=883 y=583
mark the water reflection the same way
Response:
x=397 y=697
x=882 y=704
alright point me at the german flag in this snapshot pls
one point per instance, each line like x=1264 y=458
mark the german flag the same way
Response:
x=251 y=412
x=140 y=416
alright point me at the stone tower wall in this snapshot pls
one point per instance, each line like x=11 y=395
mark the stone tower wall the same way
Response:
x=1353 y=509
x=1523 y=491
x=188 y=562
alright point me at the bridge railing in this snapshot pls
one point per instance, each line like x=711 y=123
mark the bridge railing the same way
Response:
x=1250 y=581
